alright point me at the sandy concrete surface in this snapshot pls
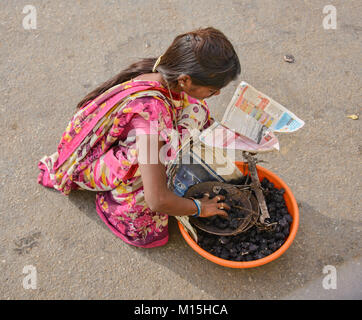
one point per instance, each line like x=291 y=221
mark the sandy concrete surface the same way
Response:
x=79 y=44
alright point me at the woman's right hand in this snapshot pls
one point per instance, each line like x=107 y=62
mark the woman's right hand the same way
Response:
x=212 y=207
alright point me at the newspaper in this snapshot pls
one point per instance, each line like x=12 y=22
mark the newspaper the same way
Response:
x=254 y=115
x=219 y=136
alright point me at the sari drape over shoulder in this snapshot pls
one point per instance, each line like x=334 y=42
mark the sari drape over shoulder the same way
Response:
x=98 y=153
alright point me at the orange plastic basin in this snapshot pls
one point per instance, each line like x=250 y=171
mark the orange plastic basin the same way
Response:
x=292 y=209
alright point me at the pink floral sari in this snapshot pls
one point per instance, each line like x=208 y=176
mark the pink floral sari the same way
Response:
x=97 y=153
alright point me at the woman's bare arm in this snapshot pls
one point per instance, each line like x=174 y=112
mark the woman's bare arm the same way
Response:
x=157 y=196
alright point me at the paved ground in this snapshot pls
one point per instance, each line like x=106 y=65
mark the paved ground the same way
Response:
x=78 y=44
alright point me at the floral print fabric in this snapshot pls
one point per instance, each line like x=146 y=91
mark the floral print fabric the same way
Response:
x=97 y=153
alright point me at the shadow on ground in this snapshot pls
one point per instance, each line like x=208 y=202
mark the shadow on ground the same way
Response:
x=85 y=202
